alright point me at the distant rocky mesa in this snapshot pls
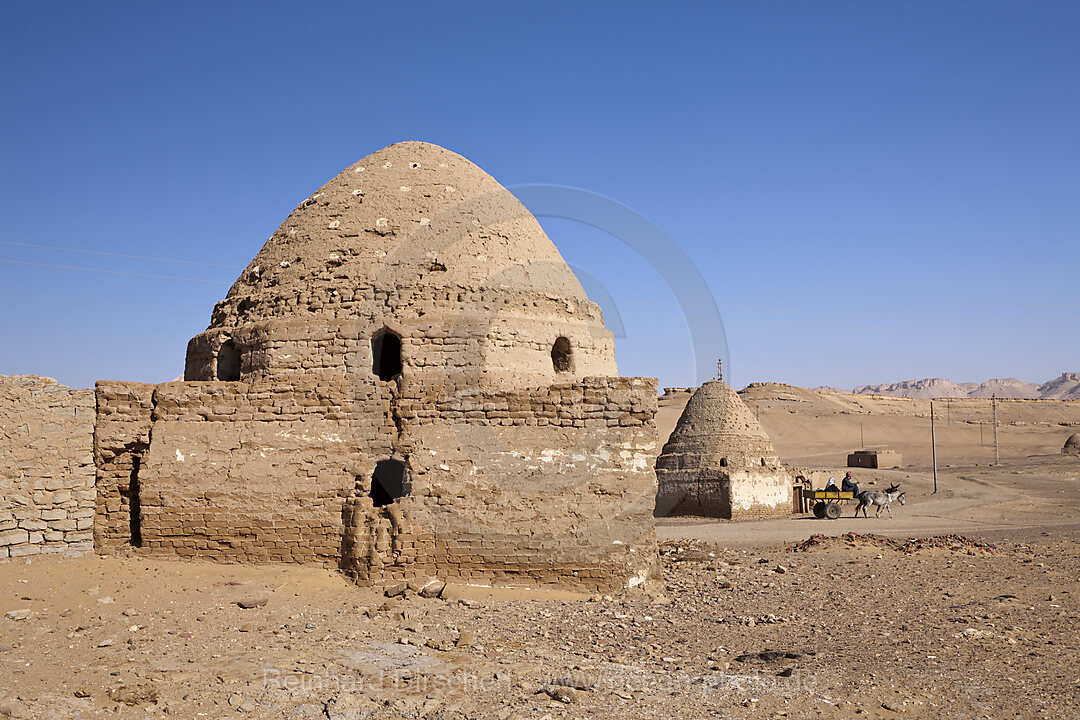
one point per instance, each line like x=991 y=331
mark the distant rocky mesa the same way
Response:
x=1065 y=387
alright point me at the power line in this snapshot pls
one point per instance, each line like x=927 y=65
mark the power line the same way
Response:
x=119 y=255
x=113 y=272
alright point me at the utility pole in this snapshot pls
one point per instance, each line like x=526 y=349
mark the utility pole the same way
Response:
x=997 y=456
x=933 y=443
x=862 y=438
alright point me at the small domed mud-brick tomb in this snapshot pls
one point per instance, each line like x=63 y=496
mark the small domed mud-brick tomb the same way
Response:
x=719 y=462
x=1072 y=445
x=406 y=380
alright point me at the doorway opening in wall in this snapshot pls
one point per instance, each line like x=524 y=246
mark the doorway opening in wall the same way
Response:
x=134 y=529
x=228 y=361
x=561 y=356
x=387 y=482
x=386 y=355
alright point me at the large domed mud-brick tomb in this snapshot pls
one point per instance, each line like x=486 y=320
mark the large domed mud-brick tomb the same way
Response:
x=406 y=380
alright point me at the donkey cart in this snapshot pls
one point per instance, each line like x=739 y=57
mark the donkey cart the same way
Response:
x=827 y=502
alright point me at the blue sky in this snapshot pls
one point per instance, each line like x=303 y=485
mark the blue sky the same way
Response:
x=872 y=191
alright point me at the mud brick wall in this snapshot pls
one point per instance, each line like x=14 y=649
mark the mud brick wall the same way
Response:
x=246 y=491
x=514 y=347
x=541 y=485
x=121 y=439
x=515 y=504
x=732 y=494
x=760 y=493
x=236 y=471
x=594 y=402
x=46 y=467
x=550 y=485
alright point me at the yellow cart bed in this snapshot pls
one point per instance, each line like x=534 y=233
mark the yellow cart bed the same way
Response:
x=827 y=502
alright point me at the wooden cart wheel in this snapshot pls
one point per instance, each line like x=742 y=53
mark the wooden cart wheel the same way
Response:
x=819 y=509
x=832 y=510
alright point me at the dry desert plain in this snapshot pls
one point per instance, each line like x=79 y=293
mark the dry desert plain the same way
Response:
x=962 y=605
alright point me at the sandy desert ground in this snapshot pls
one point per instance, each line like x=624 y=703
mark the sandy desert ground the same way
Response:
x=963 y=605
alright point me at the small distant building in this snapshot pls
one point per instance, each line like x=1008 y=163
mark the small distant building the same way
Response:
x=874 y=459
x=1072 y=445
x=719 y=462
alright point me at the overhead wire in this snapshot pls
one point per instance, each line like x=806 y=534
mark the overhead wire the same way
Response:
x=119 y=255
x=113 y=272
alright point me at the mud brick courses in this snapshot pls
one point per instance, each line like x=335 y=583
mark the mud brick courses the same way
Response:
x=46 y=467
x=267 y=471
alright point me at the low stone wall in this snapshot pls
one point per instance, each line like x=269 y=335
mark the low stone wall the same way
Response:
x=46 y=467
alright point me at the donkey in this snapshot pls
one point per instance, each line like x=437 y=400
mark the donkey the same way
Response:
x=880 y=499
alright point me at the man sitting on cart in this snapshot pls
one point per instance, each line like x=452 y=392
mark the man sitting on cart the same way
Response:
x=849 y=485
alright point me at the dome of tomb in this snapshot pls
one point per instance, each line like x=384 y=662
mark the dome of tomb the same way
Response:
x=417 y=241
x=717 y=425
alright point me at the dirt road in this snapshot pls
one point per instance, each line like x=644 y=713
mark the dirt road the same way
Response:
x=981 y=501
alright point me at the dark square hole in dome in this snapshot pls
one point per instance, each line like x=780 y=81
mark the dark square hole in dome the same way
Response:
x=386 y=355
x=387 y=482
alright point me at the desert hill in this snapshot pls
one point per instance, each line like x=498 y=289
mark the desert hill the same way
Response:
x=1065 y=387
x=812 y=427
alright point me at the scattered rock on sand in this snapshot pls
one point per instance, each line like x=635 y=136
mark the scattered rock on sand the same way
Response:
x=562 y=694
x=432 y=589
x=577 y=681
x=11 y=709
x=451 y=593
x=252 y=602
x=134 y=694
x=768 y=656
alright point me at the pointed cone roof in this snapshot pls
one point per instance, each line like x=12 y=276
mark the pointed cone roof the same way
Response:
x=717 y=424
x=410 y=215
